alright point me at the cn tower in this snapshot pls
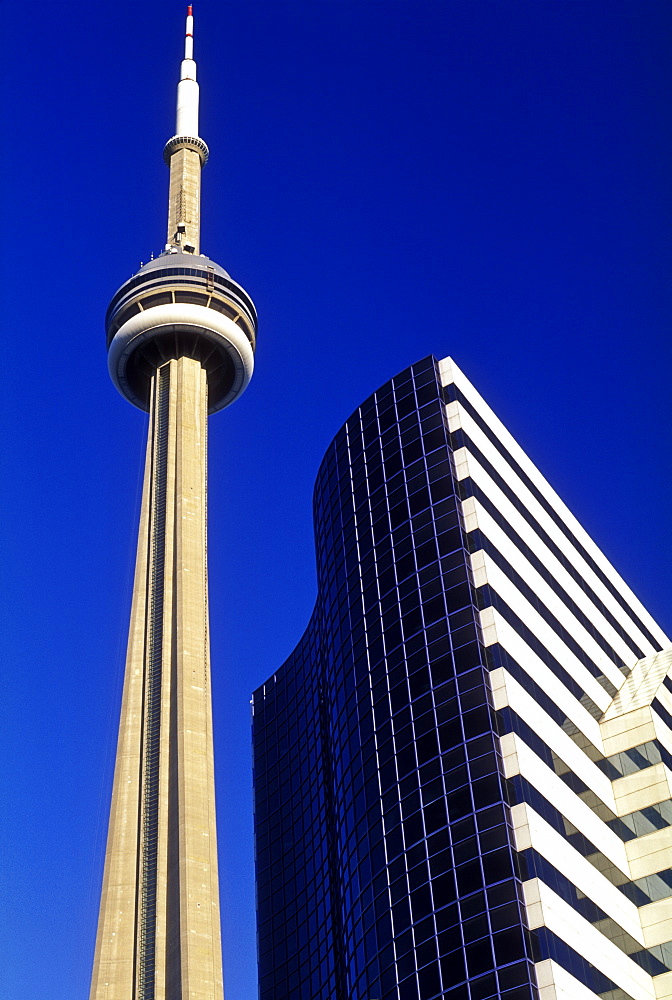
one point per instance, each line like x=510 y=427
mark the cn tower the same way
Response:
x=181 y=338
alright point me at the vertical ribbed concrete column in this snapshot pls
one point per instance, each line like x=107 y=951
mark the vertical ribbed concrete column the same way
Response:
x=159 y=929
x=114 y=962
x=192 y=788
x=184 y=198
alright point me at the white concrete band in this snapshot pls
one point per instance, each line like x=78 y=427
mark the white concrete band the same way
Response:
x=182 y=317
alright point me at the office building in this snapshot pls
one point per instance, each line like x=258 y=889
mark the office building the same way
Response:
x=463 y=771
x=181 y=338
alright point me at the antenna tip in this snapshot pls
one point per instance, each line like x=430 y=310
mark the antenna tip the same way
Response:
x=190 y=11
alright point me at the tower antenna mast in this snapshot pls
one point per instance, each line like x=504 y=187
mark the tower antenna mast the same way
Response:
x=186 y=154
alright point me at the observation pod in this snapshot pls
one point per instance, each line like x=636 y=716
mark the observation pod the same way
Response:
x=181 y=305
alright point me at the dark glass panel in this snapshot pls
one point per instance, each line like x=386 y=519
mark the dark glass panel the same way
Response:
x=459 y=803
x=486 y=790
x=446 y=920
x=509 y=945
x=479 y=956
x=475 y=928
x=473 y=905
x=469 y=877
x=408 y=990
x=505 y=892
x=453 y=970
x=443 y=889
x=430 y=981
x=526 y=993
x=514 y=975
x=483 y=987
x=435 y=816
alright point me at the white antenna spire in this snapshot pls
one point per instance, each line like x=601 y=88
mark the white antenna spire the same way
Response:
x=189 y=35
x=185 y=154
x=187 y=88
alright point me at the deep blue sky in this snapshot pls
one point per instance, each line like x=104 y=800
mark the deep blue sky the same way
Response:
x=483 y=179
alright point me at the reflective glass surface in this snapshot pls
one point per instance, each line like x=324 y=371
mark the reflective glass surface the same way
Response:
x=385 y=868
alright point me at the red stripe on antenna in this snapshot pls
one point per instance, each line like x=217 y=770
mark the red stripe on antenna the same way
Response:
x=190 y=12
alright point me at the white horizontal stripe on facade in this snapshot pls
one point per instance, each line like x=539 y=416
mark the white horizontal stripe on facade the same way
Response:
x=532 y=830
x=651 y=854
x=555 y=983
x=641 y=789
x=519 y=759
x=663 y=986
x=662 y=731
x=467 y=466
x=524 y=705
x=640 y=687
x=487 y=571
x=476 y=516
x=530 y=534
x=472 y=468
x=656 y=921
x=665 y=698
x=547 y=909
x=622 y=732
x=450 y=372
x=497 y=629
x=563 y=615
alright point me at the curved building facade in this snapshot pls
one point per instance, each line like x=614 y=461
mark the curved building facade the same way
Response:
x=462 y=772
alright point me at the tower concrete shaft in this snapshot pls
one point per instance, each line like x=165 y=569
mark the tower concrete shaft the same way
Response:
x=159 y=926
x=184 y=199
x=181 y=336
